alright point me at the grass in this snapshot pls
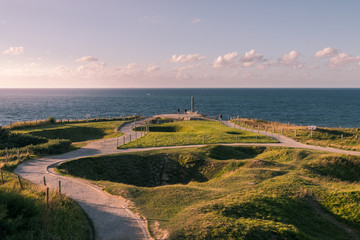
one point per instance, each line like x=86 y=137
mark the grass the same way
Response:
x=24 y=214
x=343 y=138
x=194 y=132
x=75 y=132
x=223 y=192
x=60 y=137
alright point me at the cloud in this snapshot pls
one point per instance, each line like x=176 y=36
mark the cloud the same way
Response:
x=326 y=52
x=153 y=68
x=228 y=60
x=92 y=67
x=14 y=51
x=251 y=58
x=313 y=67
x=290 y=60
x=264 y=64
x=151 y=19
x=186 y=58
x=342 y=59
x=61 y=70
x=196 y=20
x=181 y=69
x=87 y=59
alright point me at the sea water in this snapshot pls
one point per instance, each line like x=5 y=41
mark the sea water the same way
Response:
x=321 y=107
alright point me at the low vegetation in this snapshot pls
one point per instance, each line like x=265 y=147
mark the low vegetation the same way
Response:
x=191 y=133
x=223 y=192
x=344 y=138
x=25 y=215
x=76 y=132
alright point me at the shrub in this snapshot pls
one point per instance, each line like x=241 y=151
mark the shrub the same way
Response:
x=52 y=120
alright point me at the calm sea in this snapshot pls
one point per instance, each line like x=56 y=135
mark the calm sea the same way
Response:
x=321 y=107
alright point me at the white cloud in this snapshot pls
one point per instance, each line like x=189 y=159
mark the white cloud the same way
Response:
x=342 y=59
x=61 y=70
x=251 y=58
x=186 y=58
x=228 y=60
x=326 y=52
x=290 y=60
x=181 y=69
x=87 y=59
x=92 y=68
x=14 y=51
x=153 y=68
x=196 y=20
x=264 y=65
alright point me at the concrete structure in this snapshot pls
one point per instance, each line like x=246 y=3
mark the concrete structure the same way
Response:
x=192 y=104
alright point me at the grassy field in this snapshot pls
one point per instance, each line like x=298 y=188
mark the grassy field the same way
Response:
x=223 y=192
x=75 y=132
x=24 y=214
x=344 y=138
x=194 y=132
x=47 y=139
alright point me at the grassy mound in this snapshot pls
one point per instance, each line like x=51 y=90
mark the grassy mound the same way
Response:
x=344 y=168
x=24 y=214
x=16 y=140
x=194 y=132
x=76 y=132
x=229 y=193
x=344 y=138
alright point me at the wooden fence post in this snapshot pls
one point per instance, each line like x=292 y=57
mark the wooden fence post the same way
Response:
x=203 y=139
x=60 y=187
x=47 y=197
x=7 y=155
x=44 y=181
x=18 y=154
x=21 y=186
x=2 y=177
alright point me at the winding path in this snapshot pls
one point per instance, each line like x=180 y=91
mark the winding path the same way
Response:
x=110 y=214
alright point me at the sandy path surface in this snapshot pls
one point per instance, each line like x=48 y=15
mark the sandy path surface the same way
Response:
x=111 y=217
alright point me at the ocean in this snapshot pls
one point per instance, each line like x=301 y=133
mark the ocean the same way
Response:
x=320 y=107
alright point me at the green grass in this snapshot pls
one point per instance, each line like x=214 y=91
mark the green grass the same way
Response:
x=194 y=132
x=223 y=192
x=343 y=138
x=76 y=132
x=24 y=214
x=47 y=139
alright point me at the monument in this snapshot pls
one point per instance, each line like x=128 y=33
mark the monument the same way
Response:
x=192 y=104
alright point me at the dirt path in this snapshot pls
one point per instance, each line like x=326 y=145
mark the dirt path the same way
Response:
x=111 y=217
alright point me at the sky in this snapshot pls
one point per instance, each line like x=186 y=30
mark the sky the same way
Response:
x=179 y=44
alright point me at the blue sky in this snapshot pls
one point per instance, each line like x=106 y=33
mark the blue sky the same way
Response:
x=158 y=43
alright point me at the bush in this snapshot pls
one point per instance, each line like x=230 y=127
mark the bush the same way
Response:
x=16 y=140
x=52 y=120
x=54 y=146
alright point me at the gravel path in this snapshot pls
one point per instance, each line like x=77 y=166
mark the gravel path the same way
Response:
x=110 y=214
